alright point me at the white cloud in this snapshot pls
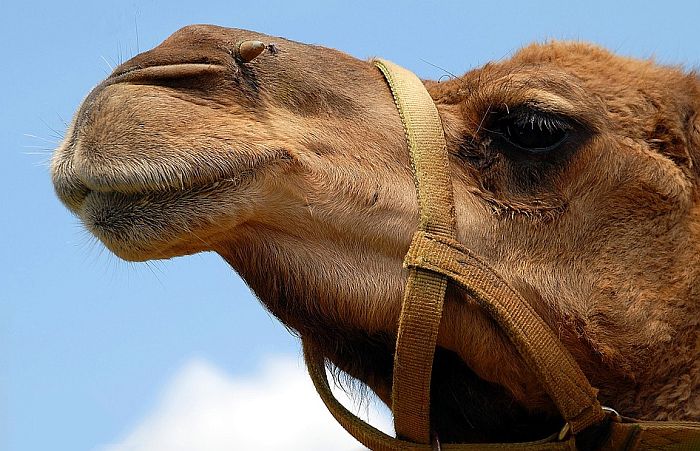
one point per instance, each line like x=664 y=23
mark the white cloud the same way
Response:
x=277 y=408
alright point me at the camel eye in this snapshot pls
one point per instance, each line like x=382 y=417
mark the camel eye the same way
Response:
x=533 y=131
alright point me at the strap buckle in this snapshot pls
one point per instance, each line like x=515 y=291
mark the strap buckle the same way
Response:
x=564 y=432
x=612 y=413
x=609 y=412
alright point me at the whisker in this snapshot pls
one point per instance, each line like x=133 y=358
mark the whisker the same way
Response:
x=136 y=26
x=120 y=57
x=206 y=243
x=481 y=124
x=111 y=68
x=60 y=118
x=483 y=118
x=56 y=133
x=152 y=269
x=441 y=68
x=45 y=163
x=29 y=135
x=38 y=150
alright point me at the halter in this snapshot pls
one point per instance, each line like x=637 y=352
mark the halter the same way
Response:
x=435 y=258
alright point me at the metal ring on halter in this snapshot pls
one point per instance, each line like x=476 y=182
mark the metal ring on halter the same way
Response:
x=436 y=442
x=564 y=432
x=612 y=413
x=609 y=411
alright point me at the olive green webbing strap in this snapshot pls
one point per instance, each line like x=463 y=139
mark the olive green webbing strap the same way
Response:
x=622 y=436
x=556 y=369
x=632 y=434
x=421 y=309
x=377 y=440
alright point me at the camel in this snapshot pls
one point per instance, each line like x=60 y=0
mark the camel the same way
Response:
x=576 y=176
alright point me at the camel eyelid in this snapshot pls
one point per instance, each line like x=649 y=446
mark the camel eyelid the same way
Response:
x=531 y=130
x=533 y=115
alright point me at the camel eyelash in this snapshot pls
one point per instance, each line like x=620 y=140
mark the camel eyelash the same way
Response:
x=531 y=130
x=530 y=117
x=538 y=120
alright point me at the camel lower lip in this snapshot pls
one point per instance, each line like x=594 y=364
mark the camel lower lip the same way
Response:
x=75 y=191
x=110 y=209
x=143 y=226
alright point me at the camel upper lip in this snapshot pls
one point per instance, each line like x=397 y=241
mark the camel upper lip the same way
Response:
x=73 y=185
x=73 y=192
x=73 y=189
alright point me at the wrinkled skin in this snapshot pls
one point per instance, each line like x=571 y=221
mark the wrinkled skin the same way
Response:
x=293 y=167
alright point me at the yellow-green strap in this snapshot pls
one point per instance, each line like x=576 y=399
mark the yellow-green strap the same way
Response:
x=427 y=148
x=653 y=435
x=421 y=310
x=377 y=440
x=556 y=369
x=625 y=435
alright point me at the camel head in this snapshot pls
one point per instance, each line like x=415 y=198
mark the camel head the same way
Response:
x=575 y=174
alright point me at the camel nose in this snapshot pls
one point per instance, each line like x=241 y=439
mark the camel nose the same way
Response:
x=191 y=51
x=193 y=44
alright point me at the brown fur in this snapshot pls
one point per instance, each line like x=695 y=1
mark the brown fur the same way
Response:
x=294 y=168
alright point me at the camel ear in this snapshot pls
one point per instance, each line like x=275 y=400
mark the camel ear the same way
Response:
x=692 y=125
x=675 y=131
x=694 y=141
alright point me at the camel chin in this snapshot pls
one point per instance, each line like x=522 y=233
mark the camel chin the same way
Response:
x=576 y=176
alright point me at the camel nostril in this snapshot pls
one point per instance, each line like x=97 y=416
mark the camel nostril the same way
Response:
x=160 y=73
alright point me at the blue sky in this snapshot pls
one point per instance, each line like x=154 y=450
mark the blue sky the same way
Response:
x=96 y=351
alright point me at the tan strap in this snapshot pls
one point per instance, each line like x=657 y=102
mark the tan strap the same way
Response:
x=624 y=435
x=421 y=309
x=653 y=435
x=377 y=440
x=427 y=148
x=541 y=349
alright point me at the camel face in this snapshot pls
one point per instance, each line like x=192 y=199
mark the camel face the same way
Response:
x=575 y=174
